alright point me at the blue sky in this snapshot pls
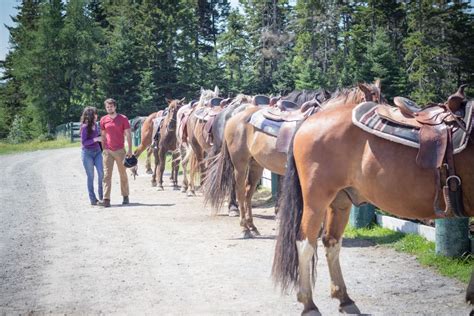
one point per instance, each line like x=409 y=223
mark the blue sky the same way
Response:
x=7 y=9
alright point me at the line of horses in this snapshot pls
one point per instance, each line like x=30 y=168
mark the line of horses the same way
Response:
x=329 y=160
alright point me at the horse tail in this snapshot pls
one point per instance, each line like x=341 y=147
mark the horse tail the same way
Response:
x=285 y=260
x=145 y=136
x=193 y=160
x=219 y=181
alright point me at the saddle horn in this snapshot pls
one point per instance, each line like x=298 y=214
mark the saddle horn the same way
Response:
x=455 y=100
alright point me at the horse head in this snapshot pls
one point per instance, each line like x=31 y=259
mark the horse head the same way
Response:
x=207 y=95
x=173 y=107
x=372 y=92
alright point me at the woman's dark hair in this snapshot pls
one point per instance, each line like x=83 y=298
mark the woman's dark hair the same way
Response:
x=88 y=118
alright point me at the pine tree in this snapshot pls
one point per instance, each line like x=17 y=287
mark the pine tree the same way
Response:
x=80 y=37
x=43 y=77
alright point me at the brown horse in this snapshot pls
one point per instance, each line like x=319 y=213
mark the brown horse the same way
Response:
x=134 y=124
x=245 y=152
x=166 y=142
x=190 y=146
x=332 y=164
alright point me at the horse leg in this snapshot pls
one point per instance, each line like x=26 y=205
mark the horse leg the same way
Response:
x=316 y=200
x=254 y=175
x=184 y=165
x=233 y=206
x=240 y=175
x=336 y=220
x=157 y=161
x=149 y=152
x=162 y=163
x=175 y=164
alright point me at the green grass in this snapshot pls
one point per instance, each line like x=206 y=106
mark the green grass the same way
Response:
x=422 y=249
x=7 y=148
x=142 y=158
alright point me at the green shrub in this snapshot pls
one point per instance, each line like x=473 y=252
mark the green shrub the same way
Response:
x=17 y=131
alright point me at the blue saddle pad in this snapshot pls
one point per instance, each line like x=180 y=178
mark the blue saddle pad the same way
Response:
x=268 y=126
x=365 y=116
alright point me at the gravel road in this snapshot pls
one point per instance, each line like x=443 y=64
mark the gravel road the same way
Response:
x=164 y=254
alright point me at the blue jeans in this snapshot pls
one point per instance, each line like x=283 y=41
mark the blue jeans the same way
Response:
x=91 y=158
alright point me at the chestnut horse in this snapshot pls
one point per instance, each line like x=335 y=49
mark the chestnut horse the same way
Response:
x=333 y=163
x=189 y=148
x=245 y=152
x=166 y=142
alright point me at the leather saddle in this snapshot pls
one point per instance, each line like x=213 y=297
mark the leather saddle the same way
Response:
x=289 y=111
x=437 y=127
x=281 y=121
x=260 y=100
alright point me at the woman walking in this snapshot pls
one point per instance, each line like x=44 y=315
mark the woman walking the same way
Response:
x=92 y=153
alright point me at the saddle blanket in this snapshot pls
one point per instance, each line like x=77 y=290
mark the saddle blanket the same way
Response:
x=282 y=130
x=365 y=117
x=268 y=126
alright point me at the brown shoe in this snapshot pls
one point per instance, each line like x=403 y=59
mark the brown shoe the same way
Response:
x=106 y=203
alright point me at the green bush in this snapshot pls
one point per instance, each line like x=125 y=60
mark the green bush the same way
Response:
x=17 y=131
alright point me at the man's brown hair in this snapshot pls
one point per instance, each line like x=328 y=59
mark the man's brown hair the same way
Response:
x=110 y=100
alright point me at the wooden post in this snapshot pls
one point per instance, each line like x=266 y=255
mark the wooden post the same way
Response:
x=274 y=185
x=452 y=237
x=362 y=216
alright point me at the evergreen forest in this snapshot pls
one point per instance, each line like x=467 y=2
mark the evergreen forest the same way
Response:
x=65 y=55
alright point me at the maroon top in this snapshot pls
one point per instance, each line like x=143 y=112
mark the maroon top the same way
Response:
x=114 y=131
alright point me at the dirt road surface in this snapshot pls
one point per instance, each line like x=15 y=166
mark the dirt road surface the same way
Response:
x=164 y=254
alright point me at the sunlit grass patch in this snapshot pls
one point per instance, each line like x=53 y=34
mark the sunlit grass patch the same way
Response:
x=61 y=142
x=422 y=249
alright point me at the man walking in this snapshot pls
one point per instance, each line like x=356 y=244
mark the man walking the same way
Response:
x=114 y=128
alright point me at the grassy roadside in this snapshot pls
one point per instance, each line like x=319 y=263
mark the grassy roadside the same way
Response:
x=6 y=148
x=423 y=250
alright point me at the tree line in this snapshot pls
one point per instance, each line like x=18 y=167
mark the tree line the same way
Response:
x=67 y=55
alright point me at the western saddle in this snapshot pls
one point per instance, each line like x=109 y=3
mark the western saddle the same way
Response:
x=290 y=112
x=436 y=124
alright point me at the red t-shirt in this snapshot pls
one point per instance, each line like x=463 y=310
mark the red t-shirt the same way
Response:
x=115 y=131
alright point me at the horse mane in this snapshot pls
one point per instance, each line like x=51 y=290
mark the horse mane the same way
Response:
x=241 y=98
x=346 y=95
x=300 y=97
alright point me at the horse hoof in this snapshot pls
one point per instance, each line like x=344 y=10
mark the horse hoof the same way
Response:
x=350 y=308
x=313 y=312
x=161 y=188
x=153 y=184
x=191 y=194
x=233 y=213
x=255 y=232
x=149 y=172
x=183 y=190
x=247 y=235
x=176 y=188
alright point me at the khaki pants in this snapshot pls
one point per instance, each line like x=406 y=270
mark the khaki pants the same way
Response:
x=109 y=158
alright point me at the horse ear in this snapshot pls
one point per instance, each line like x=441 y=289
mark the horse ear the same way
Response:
x=168 y=100
x=182 y=100
x=202 y=90
x=378 y=84
x=216 y=91
x=366 y=90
